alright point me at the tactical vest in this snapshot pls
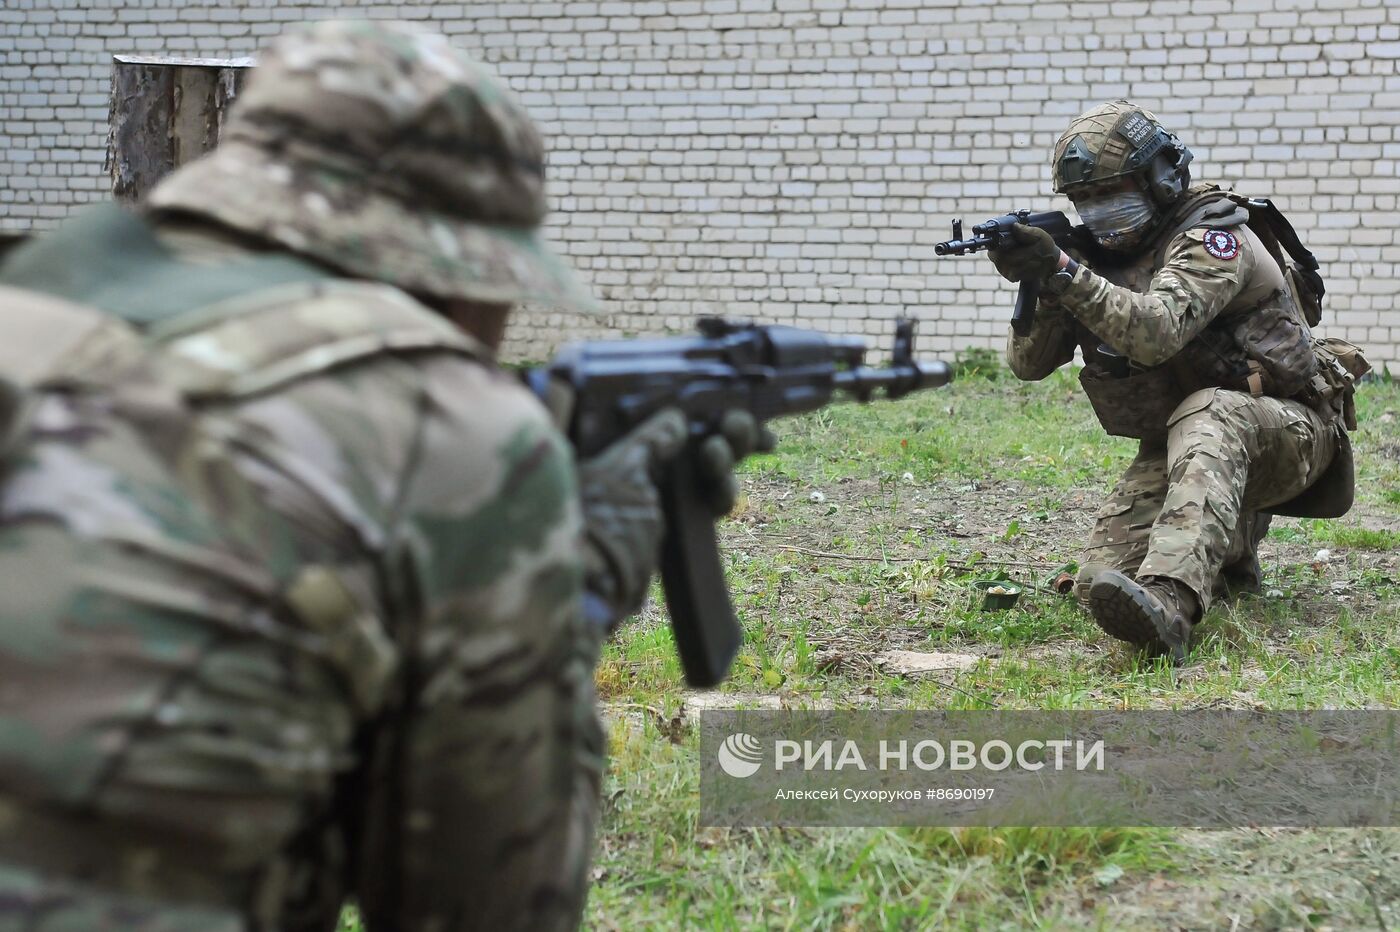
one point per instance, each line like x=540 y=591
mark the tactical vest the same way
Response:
x=170 y=341
x=1260 y=342
x=103 y=310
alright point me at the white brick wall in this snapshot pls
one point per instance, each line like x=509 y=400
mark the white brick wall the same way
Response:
x=795 y=160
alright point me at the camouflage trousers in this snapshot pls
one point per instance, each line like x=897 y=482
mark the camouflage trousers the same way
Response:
x=1192 y=511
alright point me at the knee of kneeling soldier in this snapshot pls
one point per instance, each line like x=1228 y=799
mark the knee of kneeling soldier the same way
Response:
x=1206 y=416
x=1213 y=403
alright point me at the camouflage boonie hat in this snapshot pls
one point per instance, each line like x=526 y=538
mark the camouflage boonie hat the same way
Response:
x=1113 y=140
x=389 y=154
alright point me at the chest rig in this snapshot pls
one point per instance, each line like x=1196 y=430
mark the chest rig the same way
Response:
x=1259 y=343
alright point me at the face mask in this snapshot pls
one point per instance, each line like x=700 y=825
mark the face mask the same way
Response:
x=1118 y=221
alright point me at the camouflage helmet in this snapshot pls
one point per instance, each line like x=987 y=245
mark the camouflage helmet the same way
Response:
x=1118 y=140
x=388 y=154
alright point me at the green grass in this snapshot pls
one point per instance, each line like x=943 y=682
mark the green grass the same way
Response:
x=1335 y=534
x=970 y=430
x=664 y=871
x=1001 y=477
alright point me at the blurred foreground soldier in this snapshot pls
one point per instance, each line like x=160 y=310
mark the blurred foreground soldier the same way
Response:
x=291 y=575
x=1193 y=311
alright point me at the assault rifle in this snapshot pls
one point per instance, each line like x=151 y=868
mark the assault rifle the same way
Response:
x=769 y=371
x=994 y=232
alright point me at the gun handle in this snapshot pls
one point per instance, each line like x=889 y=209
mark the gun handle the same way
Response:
x=707 y=632
x=1024 y=315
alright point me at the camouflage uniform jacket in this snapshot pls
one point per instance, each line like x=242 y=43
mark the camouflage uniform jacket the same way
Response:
x=1205 y=305
x=289 y=595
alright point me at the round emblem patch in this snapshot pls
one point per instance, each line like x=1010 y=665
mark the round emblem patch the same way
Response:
x=1222 y=244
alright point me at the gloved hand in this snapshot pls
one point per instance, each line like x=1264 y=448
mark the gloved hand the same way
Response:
x=1032 y=254
x=622 y=515
x=739 y=435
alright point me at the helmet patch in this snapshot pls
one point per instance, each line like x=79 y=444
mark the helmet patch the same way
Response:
x=1137 y=129
x=1222 y=244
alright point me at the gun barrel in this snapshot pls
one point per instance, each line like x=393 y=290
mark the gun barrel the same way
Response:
x=989 y=233
x=608 y=387
x=896 y=380
x=958 y=247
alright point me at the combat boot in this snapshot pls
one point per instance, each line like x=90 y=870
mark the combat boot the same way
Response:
x=1157 y=614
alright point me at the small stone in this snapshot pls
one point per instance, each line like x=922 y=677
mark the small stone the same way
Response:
x=908 y=477
x=816 y=498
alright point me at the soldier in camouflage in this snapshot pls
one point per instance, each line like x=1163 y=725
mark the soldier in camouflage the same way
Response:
x=1194 y=329
x=292 y=576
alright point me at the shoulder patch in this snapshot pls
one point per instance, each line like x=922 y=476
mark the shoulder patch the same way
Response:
x=1222 y=244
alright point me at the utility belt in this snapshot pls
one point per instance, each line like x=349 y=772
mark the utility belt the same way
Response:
x=1132 y=401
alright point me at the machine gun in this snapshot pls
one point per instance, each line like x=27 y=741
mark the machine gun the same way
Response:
x=994 y=232
x=767 y=370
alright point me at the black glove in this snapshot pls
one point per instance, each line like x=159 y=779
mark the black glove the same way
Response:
x=623 y=521
x=739 y=435
x=1031 y=254
x=622 y=517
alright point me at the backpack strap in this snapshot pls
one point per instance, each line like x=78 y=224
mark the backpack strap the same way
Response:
x=1264 y=213
x=1206 y=205
x=258 y=342
x=47 y=342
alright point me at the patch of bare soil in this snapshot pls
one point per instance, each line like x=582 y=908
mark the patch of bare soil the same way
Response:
x=816 y=534
x=914 y=663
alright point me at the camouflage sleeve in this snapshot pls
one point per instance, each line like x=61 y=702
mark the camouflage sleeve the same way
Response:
x=1205 y=269
x=486 y=817
x=479 y=786
x=1049 y=345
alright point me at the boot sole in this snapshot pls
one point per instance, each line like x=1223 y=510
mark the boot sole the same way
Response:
x=1123 y=613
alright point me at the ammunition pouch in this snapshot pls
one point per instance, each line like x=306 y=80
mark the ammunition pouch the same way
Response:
x=1214 y=360
x=1331 y=393
x=1136 y=405
x=1277 y=347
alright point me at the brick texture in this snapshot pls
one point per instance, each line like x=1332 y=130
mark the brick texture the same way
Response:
x=796 y=160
